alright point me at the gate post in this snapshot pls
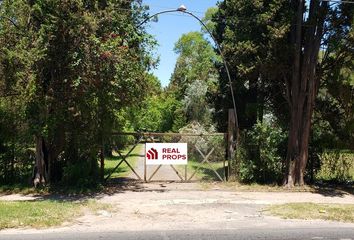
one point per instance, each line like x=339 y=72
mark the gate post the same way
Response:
x=102 y=162
x=231 y=130
x=145 y=170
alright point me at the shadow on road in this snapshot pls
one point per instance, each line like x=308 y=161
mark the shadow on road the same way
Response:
x=329 y=190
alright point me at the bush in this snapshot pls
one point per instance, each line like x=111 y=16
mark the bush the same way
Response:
x=81 y=173
x=259 y=154
x=204 y=143
x=336 y=166
x=16 y=154
x=16 y=165
x=120 y=141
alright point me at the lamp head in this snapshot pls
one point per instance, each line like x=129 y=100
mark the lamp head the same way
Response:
x=182 y=8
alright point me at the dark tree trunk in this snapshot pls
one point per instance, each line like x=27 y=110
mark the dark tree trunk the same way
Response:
x=40 y=173
x=303 y=87
x=260 y=101
x=12 y=166
x=252 y=107
x=46 y=170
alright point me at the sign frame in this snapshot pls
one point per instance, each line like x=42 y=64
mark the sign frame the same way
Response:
x=166 y=154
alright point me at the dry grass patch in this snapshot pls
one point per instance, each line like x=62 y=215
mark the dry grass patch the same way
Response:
x=334 y=212
x=42 y=214
x=255 y=187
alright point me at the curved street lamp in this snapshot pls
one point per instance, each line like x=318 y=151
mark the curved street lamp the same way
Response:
x=183 y=9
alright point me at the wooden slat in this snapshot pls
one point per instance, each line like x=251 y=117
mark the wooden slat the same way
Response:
x=147 y=134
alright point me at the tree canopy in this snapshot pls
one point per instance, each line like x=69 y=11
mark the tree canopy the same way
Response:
x=274 y=48
x=69 y=66
x=74 y=71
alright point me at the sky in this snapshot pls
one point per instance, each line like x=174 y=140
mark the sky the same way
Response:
x=170 y=28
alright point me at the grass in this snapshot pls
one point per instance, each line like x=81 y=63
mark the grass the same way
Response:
x=123 y=170
x=255 y=187
x=26 y=189
x=20 y=188
x=42 y=214
x=110 y=164
x=205 y=171
x=334 y=212
x=325 y=189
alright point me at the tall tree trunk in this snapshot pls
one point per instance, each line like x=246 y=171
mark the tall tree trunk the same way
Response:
x=40 y=175
x=303 y=88
x=295 y=100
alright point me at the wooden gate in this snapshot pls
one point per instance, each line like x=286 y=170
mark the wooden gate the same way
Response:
x=207 y=154
x=186 y=174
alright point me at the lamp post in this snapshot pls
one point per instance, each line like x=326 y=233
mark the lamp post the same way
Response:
x=183 y=9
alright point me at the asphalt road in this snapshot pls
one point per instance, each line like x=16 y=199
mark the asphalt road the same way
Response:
x=249 y=234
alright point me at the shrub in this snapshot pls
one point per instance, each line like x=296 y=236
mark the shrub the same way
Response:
x=259 y=154
x=203 y=143
x=336 y=166
x=81 y=173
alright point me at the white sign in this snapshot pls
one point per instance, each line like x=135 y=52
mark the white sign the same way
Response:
x=166 y=153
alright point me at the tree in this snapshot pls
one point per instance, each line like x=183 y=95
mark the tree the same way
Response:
x=335 y=101
x=195 y=62
x=335 y=107
x=208 y=19
x=160 y=111
x=194 y=80
x=157 y=113
x=273 y=48
x=75 y=64
x=327 y=26
x=248 y=32
x=195 y=103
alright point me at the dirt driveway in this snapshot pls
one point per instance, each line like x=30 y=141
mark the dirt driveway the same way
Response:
x=188 y=206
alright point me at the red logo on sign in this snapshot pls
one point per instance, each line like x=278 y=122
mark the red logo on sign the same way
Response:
x=152 y=154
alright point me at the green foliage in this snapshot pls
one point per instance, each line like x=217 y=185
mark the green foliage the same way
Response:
x=252 y=35
x=259 y=154
x=205 y=143
x=208 y=19
x=74 y=65
x=195 y=103
x=72 y=71
x=16 y=156
x=158 y=113
x=335 y=111
x=337 y=166
x=81 y=174
x=257 y=39
x=195 y=62
x=193 y=82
